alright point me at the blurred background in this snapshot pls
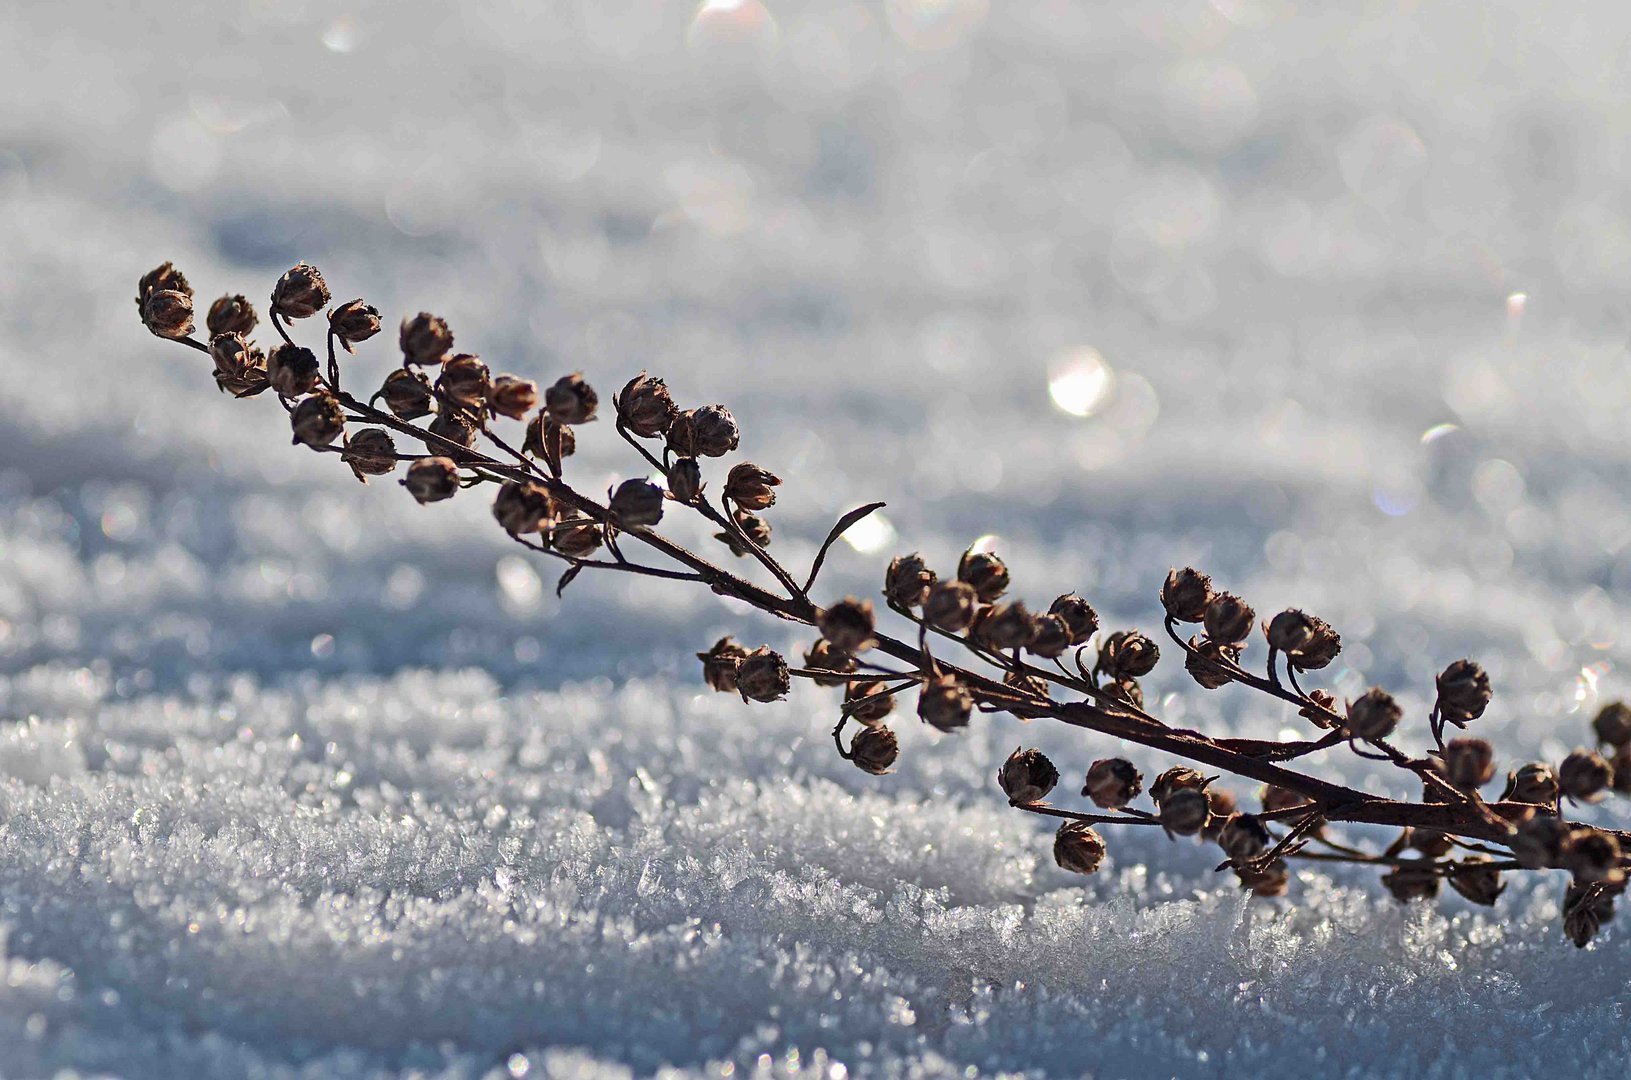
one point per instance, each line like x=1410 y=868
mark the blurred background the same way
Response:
x=1329 y=300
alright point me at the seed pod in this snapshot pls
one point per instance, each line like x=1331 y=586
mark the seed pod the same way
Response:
x=1228 y=619
x=1463 y=692
x=719 y=665
x=1613 y=724
x=162 y=278
x=1176 y=779
x=1535 y=782
x=432 y=479
x=762 y=676
x=1478 y=883
x=645 y=408
x=1224 y=806
x=874 y=749
x=685 y=481
x=1125 y=690
x=548 y=441
x=1320 y=651
x=1004 y=626
x=1469 y=763
x=1290 y=631
x=233 y=355
x=750 y=487
x=1203 y=662
x=1538 y=844
x=944 y=703
x=1584 y=776
x=1275 y=797
x=1185 y=812
x=523 y=508
x=1186 y=594
x=407 y=394
x=706 y=432
x=868 y=700
x=1112 y=783
x=465 y=381
x=370 y=452
x=571 y=400
x=1586 y=907
x=754 y=527
x=823 y=657
x=317 y=421
x=1027 y=777
x=637 y=503
x=1128 y=654
x=1031 y=687
x=1078 y=848
x=1273 y=880
x=425 y=339
x=1408 y=883
x=301 y=292
x=1243 y=837
x=247 y=380
x=168 y=313
x=354 y=322
x=1050 y=636
x=949 y=605
x=231 y=314
x=1374 y=715
x=1321 y=705
x=985 y=572
x=291 y=370
x=1592 y=855
x=848 y=624
x=1430 y=842
x=906 y=583
x=576 y=536
x=512 y=397
x=455 y=426
x=1078 y=615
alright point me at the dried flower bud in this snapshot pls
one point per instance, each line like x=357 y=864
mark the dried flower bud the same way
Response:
x=1275 y=798
x=754 y=527
x=1320 y=651
x=1243 y=837
x=231 y=315
x=354 y=322
x=432 y=479
x=548 y=441
x=455 y=426
x=465 y=381
x=1272 y=880
x=168 y=313
x=1408 y=883
x=523 y=508
x=987 y=573
x=1228 y=619
x=1078 y=615
x=848 y=624
x=1176 y=779
x=1050 y=636
x=1592 y=855
x=1005 y=626
x=1374 y=715
x=162 y=278
x=874 y=749
x=571 y=400
x=1584 y=776
x=1463 y=692
x=1322 y=705
x=1204 y=662
x=706 y=432
x=685 y=480
x=1535 y=782
x=1027 y=777
x=1290 y=631
x=949 y=605
x=425 y=339
x=645 y=408
x=1185 y=812
x=1586 y=907
x=300 y=292
x=240 y=368
x=944 y=703
x=1432 y=843
x=1186 y=594
x=1538 y=844
x=318 y=420
x=749 y=486
x=291 y=370
x=762 y=675
x=1613 y=724
x=1128 y=654
x=823 y=657
x=1477 y=882
x=1224 y=807
x=637 y=503
x=906 y=583
x=719 y=664
x=370 y=452
x=1078 y=848
x=868 y=700
x=512 y=397
x=576 y=536
x=1469 y=763
x=1112 y=783
x=407 y=394
x=1030 y=687
x=1125 y=690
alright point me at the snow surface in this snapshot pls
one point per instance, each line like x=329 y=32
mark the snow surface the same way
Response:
x=301 y=779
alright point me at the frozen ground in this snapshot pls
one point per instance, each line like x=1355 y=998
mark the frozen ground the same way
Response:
x=303 y=780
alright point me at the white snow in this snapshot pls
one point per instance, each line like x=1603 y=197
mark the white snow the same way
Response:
x=300 y=779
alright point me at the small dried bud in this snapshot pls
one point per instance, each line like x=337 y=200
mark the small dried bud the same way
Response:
x=1276 y=798
x=1273 y=880
x=432 y=479
x=637 y=503
x=1290 y=631
x=1538 y=844
x=950 y=605
x=168 y=313
x=762 y=675
x=571 y=400
x=1586 y=907
x=1078 y=615
x=240 y=368
x=1478 y=883
x=1613 y=724
x=1592 y=855
x=455 y=426
x=1322 y=705
x=1535 y=782
x=1128 y=654
x=685 y=480
x=370 y=452
x=1186 y=594
x=1584 y=776
x=719 y=665
x=291 y=370
x=874 y=749
x=1224 y=807
x=1005 y=626
x=1112 y=783
x=1078 y=848
x=848 y=624
x=944 y=703
x=1204 y=662
x=1185 y=812
x=465 y=381
x=1027 y=777
x=231 y=315
x=512 y=397
x=749 y=486
x=1408 y=883
x=1243 y=837
x=645 y=408
x=1321 y=649
x=407 y=394
x=425 y=339
x=906 y=583
x=754 y=527
x=548 y=441
x=1125 y=690
x=300 y=292
x=318 y=420
x=1374 y=715
x=706 y=432
x=162 y=278
x=576 y=536
x=823 y=657
x=1030 y=687
x=987 y=573
x=1469 y=763
x=523 y=508
x=1228 y=619
x=1463 y=692
x=1050 y=636
x=354 y=322
x=868 y=700
x=1176 y=779
x=1430 y=842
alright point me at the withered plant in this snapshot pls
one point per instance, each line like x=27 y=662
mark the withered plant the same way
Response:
x=967 y=648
